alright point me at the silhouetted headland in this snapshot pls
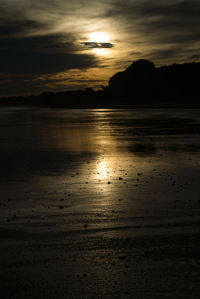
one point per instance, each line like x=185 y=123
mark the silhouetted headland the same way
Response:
x=140 y=85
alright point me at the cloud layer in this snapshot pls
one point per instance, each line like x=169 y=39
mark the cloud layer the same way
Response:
x=95 y=45
x=49 y=37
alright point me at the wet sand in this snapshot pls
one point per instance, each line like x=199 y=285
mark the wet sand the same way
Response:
x=99 y=203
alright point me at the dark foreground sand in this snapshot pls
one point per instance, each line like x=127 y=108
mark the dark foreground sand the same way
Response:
x=118 y=218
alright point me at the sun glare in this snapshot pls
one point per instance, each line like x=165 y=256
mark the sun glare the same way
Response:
x=99 y=51
x=103 y=170
x=99 y=37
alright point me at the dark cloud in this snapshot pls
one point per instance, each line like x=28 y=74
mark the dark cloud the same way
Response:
x=179 y=10
x=12 y=27
x=160 y=23
x=23 y=62
x=39 y=54
x=174 y=11
x=194 y=57
x=27 y=84
x=23 y=59
x=20 y=85
x=39 y=43
x=164 y=54
x=95 y=45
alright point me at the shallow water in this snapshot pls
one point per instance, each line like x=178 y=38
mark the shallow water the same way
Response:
x=99 y=203
x=92 y=161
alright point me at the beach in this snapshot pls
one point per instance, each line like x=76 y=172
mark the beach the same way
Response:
x=99 y=203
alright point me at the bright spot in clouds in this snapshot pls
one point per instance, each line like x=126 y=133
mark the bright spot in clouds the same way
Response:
x=99 y=51
x=99 y=37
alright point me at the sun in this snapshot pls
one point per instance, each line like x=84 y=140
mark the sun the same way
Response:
x=99 y=37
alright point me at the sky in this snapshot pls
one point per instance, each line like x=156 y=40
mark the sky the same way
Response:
x=60 y=45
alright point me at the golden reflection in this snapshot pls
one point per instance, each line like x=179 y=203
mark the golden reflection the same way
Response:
x=79 y=137
x=102 y=170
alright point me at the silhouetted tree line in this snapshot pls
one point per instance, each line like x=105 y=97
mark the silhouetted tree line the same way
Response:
x=141 y=84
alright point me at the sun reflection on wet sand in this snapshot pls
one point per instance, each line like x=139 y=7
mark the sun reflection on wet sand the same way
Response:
x=97 y=195
x=102 y=170
x=96 y=156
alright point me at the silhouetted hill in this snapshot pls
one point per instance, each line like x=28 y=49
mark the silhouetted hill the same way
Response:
x=145 y=83
x=141 y=84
